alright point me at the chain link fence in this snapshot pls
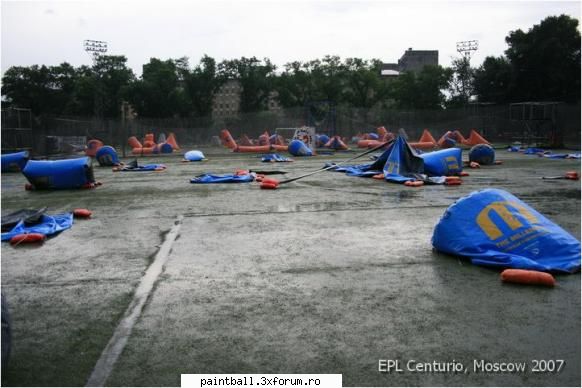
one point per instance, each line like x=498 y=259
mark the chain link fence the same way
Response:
x=497 y=123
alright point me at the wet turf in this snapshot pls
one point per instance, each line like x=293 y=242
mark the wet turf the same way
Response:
x=324 y=275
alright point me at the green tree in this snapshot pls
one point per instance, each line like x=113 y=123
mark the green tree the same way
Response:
x=461 y=82
x=29 y=87
x=493 y=80
x=160 y=92
x=422 y=90
x=545 y=60
x=365 y=88
x=112 y=78
x=328 y=77
x=201 y=84
x=294 y=85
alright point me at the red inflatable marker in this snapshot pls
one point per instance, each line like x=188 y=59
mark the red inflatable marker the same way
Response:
x=82 y=213
x=27 y=238
x=523 y=276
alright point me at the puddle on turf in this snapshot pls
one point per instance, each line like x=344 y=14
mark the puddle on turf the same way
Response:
x=316 y=207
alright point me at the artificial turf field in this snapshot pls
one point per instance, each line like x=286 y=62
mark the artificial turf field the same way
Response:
x=328 y=274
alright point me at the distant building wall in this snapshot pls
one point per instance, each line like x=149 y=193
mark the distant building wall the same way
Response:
x=411 y=60
x=415 y=60
x=227 y=100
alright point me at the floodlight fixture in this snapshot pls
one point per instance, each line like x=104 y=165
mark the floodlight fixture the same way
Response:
x=95 y=46
x=467 y=47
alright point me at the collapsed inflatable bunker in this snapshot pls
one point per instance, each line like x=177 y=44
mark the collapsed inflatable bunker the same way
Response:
x=59 y=174
x=494 y=228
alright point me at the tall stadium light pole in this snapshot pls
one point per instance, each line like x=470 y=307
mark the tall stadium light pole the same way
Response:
x=466 y=48
x=95 y=48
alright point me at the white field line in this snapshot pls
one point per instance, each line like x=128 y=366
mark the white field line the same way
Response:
x=117 y=343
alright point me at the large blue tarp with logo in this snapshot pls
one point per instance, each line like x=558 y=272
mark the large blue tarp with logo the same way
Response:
x=401 y=162
x=494 y=228
x=48 y=225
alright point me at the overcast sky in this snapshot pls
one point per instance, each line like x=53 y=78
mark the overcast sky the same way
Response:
x=51 y=32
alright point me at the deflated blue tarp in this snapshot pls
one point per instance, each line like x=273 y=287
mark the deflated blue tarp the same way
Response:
x=398 y=163
x=144 y=168
x=562 y=156
x=275 y=158
x=48 y=225
x=494 y=228
x=402 y=162
x=533 y=151
x=14 y=161
x=230 y=178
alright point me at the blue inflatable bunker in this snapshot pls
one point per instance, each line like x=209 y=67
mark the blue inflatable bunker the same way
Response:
x=494 y=228
x=166 y=148
x=59 y=174
x=107 y=156
x=299 y=148
x=444 y=162
x=194 y=156
x=482 y=153
x=322 y=140
x=15 y=161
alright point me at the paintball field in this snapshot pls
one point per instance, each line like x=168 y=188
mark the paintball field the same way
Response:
x=328 y=274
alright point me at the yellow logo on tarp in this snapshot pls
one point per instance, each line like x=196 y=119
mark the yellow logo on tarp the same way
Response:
x=505 y=210
x=452 y=163
x=393 y=167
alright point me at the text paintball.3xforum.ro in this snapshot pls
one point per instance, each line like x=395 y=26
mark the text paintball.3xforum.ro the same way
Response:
x=473 y=366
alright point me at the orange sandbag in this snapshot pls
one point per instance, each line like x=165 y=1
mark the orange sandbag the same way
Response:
x=427 y=137
x=269 y=183
x=278 y=147
x=27 y=238
x=82 y=213
x=381 y=131
x=227 y=139
x=523 y=276
x=265 y=148
x=414 y=183
x=268 y=186
x=474 y=139
x=143 y=151
x=171 y=140
x=245 y=141
x=134 y=143
x=425 y=145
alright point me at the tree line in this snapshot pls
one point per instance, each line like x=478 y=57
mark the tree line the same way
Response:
x=540 y=64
